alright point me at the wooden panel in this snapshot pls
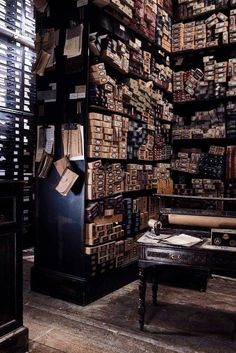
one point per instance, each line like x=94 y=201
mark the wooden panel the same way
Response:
x=13 y=336
x=7 y=210
x=8 y=306
x=16 y=342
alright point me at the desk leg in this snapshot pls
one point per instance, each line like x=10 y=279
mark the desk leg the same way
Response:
x=142 y=294
x=234 y=331
x=154 y=286
x=203 y=281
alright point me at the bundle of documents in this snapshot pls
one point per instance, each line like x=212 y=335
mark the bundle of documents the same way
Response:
x=45 y=141
x=68 y=177
x=74 y=41
x=45 y=45
x=73 y=141
x=66 y=182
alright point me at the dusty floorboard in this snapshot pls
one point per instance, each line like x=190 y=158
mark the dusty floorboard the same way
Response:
x=184 y=321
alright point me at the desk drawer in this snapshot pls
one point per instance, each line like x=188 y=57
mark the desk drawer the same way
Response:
x=169 y=256
x=223 y=261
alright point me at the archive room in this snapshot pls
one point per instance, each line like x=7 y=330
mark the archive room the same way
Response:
x=117 y=176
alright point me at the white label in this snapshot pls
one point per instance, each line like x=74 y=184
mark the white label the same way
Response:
x=77 y=95
x=17 y=65
x=138 y=42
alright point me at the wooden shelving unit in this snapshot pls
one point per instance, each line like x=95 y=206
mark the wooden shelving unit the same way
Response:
x=65 y=265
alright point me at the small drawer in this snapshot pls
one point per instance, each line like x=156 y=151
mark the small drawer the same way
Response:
x=170 y=256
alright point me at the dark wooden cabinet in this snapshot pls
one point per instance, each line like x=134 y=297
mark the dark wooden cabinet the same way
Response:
x=13 y=336
x=62 y=267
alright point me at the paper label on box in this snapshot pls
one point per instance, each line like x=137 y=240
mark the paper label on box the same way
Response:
x=77 y=95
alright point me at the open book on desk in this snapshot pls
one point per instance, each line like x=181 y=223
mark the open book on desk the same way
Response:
x=181 y=239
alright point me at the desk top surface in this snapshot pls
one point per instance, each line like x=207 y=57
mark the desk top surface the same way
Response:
x=161 y=241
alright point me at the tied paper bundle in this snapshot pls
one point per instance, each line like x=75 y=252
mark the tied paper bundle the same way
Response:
x=74 y=41
x=44 y=150
x=68 y=177
x=45 y=44
x=73 y=141
x=45 y=165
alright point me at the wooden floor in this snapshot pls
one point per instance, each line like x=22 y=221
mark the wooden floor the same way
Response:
x=184 y=321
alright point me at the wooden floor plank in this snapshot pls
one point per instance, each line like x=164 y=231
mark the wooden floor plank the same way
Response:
x=184 y=321
x=35 y=347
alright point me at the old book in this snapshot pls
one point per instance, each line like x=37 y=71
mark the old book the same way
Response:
x=45 y=165
x=41 y=63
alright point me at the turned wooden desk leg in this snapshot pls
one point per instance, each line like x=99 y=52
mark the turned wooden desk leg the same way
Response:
x=142 y=294
x=154 y=286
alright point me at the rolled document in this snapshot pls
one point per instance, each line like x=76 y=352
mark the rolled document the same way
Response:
x=202 y=221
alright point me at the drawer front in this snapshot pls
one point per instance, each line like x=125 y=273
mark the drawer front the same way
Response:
x=169 y=256
x=223 y=261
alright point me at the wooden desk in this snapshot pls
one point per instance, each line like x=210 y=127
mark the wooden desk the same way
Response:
x=199 y=257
